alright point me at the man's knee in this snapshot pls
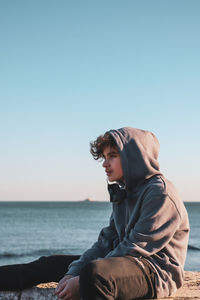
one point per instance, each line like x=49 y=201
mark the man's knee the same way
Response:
x=96 y=273
x=94 y=281
x=89 y=271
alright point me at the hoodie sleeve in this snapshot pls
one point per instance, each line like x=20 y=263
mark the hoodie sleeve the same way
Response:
x=156 y=225
x=99 y=249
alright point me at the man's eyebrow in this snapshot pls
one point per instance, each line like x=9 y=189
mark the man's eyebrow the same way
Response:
x=111 y=153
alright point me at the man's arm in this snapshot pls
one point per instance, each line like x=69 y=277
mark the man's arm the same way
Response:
x=158 y=221
x=99 y=249
x=69 y=284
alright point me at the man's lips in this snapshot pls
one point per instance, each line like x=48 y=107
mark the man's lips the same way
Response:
x=108 y=173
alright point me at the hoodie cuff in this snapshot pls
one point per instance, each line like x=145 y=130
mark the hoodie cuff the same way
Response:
x=74 y=271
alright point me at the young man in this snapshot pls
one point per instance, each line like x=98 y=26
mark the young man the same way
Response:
x=141 y=253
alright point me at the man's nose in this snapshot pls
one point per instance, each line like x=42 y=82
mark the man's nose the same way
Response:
x=105 y=163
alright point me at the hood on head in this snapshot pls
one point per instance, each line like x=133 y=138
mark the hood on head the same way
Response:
x=139 y=151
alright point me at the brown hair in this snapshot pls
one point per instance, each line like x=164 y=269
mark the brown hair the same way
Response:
x=97 y=147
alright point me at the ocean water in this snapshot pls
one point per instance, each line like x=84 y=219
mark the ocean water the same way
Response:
x=29 y=230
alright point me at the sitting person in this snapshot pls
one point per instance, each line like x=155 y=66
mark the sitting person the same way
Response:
x=141 y=253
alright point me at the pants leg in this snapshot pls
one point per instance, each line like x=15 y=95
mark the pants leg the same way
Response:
x=45 y=269
x=121 y=278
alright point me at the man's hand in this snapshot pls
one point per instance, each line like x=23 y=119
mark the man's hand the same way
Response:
x=68 y=288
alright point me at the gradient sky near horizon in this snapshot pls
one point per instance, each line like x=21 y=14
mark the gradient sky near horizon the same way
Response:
x=70 y=70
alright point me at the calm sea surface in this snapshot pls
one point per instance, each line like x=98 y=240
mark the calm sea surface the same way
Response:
x=32 y=229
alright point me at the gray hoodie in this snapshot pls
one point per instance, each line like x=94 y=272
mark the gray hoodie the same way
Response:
x=149 y=219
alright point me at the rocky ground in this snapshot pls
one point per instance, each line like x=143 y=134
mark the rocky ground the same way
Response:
x=190 y=290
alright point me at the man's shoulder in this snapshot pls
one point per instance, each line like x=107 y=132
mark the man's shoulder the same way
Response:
x=156 y=184
x=165 y=189
x=159 y=186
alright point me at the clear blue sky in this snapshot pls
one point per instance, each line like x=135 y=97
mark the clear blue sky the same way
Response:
x=70 y=70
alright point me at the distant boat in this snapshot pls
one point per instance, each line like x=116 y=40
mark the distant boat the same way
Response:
x=88 y=200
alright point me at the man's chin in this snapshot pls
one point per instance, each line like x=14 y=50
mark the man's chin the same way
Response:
x=112 y=180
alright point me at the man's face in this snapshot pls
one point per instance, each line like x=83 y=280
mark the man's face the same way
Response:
x=112 y=164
